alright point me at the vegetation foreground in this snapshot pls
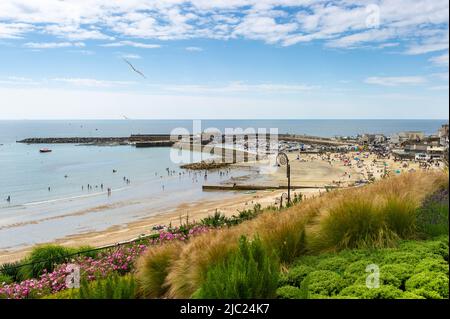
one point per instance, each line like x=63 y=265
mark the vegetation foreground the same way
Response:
x=386 y=240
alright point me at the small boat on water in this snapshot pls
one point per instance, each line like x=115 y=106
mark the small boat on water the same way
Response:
x=45 y=150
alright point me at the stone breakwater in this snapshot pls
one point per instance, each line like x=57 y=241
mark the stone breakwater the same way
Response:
x=74 y=140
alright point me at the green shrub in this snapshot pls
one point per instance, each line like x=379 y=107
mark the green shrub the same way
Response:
x=86 y=251
x=410 y=295
x=395 y=274
x=399 y=257
x=363 y=292
x=424 y=293
x=357 y=269
x=216 y=220
x=432 y=264
x=5 y=279
x=337 y=264
x=432 y=217
x=322 y=283
x=113 y=287
x=41 y=258
x=435 y=282
x=64 y=294
x=249 y=272
x=11 y=270
x=296 y=274
x=433 y=220
x=289 y=292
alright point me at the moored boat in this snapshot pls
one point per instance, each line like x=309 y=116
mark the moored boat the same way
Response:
x=45 y=150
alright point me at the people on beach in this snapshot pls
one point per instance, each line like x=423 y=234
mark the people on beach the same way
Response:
x=8 y=199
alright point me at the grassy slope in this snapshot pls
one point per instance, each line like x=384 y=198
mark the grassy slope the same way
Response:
x=376 y=215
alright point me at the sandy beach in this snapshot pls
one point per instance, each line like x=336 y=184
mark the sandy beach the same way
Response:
x=312 y=171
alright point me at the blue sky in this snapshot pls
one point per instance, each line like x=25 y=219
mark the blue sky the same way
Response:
x=224 y=59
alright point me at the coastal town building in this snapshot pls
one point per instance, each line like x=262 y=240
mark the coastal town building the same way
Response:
x=402 y=137
x=443 y=135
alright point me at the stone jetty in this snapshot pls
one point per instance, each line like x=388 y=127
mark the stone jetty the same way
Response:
x=74 y=140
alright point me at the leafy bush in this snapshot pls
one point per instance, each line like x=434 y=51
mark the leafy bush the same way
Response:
x=289 y=292
x=363 y=292
x=410 y=295
x=432 y=264
x=435 y=282
x=11 y=270
x=113 y=287
x=322 y=283
x=398 y=257
x=357 y=269
x=395 y=274
x=432 y=217
x=426 y=294
x=44 y=257
x=336 y=264
x=296 y=275
x=250 y=272
x=5 y=279
x=216 y=220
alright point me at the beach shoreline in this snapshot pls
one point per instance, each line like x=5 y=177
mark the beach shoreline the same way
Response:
x=315 y=172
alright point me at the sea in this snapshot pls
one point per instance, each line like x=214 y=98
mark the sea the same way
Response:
x=45 y=187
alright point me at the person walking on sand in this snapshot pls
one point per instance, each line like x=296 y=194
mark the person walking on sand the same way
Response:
x=8 y=199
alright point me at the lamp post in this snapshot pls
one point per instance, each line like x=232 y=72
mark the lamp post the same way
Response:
x=282 y=159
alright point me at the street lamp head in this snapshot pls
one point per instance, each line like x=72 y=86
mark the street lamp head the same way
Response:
x=282 y=158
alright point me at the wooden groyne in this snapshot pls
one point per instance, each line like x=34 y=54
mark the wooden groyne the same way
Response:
x=258 y=187
x=154 y=144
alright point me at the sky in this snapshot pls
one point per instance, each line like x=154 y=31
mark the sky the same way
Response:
x=214 y=59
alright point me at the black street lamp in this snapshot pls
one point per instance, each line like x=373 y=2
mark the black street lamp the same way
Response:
x=282 y=159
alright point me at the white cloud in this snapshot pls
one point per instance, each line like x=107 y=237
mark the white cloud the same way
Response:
x=439 y=88
x=53 y=45
x=17 y=81
x=420 y=25
x=240 y=88
x=14 y=30
x=396 y=80
x=131 y=56
x=440 y=60
x=93 y=83
x=132 y=44
x=194 y=49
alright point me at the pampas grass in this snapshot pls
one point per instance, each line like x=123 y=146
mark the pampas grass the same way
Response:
x=371 y=216
x=153 y=268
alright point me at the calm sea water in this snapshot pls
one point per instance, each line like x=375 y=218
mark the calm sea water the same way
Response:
x=10 y=131
x=25 y=174
x=37 y=214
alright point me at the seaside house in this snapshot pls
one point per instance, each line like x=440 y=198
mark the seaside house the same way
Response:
x=402 y=137
x=443 y=135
